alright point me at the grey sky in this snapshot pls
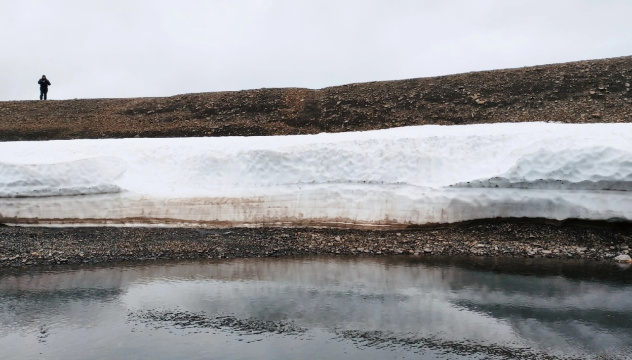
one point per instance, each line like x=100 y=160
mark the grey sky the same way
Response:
x=138 y=48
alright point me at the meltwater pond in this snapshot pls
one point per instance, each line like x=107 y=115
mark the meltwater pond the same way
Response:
x=320 y=307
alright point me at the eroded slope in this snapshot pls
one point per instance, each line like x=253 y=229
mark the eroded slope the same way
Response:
x=578 y=92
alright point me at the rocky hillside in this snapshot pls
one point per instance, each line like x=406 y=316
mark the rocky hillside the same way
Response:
x=586 y=91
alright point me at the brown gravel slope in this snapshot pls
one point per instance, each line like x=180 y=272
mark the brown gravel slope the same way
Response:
x=586 y=91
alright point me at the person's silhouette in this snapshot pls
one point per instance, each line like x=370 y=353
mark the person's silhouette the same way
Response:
x=44 y=84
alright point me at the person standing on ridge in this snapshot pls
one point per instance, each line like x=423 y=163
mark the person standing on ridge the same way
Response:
x=44 y=84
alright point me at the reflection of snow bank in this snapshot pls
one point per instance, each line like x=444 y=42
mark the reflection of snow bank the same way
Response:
x=413 y=175
x=81 y=177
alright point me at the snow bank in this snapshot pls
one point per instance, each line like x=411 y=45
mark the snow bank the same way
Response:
x=396 y=177
x=81 y=177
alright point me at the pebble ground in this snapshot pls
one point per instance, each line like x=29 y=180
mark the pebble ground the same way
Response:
x=28 y=246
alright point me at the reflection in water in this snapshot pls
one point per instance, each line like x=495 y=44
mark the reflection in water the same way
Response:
x=320 y=307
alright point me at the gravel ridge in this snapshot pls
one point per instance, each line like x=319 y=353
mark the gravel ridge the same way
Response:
x=578 y=92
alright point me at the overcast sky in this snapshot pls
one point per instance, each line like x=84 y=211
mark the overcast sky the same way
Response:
x=141 y=48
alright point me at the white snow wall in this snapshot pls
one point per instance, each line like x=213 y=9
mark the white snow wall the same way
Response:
x=397 y=177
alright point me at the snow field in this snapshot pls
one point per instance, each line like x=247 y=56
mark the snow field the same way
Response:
x=395 y=177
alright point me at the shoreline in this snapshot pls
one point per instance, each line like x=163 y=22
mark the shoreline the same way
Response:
x=33 y=246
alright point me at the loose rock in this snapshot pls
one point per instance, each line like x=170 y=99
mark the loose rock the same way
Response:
x=623 y=258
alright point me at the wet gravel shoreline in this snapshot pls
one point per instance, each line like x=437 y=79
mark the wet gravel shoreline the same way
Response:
x=31 y=246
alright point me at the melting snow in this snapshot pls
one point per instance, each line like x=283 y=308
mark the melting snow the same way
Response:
x=395 y=177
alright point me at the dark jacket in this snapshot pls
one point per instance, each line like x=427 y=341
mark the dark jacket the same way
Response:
x=43 y=83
